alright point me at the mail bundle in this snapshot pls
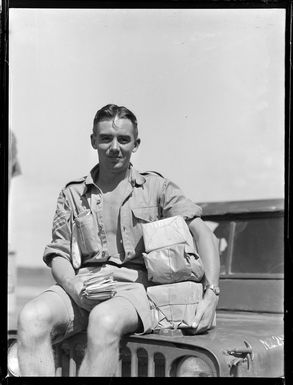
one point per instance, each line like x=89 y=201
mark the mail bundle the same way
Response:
x=175 y=268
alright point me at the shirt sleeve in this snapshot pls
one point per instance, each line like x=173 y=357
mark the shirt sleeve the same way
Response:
x=60 y=244
x=174 y=202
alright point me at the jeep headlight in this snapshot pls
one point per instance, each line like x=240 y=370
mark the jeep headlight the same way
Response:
x=12 y=360
x=192 y=366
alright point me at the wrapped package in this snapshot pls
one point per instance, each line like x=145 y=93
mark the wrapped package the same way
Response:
x=167 y=232
x=173 y=264
x=174 y=306
x=170 y=252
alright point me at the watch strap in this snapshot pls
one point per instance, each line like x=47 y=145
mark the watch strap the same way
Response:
x=214 y=288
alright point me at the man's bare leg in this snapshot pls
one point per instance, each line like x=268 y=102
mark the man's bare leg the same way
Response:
x=36 y=320
x=108 y=321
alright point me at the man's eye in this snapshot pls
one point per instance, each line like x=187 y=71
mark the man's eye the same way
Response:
x=104 y=138
x=124 y=140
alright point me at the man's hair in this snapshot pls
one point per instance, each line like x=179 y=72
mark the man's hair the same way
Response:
x=112 y=111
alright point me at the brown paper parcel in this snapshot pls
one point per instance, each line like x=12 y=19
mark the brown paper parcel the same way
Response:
x=167 y=232
x=173 y=264
x=174 y=306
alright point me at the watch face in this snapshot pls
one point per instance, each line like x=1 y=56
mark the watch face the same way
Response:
x=215 y=289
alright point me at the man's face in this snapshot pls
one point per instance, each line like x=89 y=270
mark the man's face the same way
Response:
x=114 y=140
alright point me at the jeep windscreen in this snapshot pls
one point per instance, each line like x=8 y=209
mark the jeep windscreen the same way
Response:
x=250 y=246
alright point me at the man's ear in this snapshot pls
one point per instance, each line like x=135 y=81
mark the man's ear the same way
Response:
x=136 y=145
x=93 y=141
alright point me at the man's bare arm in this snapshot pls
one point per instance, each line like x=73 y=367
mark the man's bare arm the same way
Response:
x=64 y=274
x=207 y=245
x=62 y=270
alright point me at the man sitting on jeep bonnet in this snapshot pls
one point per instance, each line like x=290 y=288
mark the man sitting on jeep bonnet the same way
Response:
x=97 y=230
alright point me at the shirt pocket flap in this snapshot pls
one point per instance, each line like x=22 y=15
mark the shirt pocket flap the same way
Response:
x=146 y=214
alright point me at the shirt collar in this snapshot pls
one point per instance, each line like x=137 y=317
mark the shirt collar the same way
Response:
x=92 y=176
x=135 y=178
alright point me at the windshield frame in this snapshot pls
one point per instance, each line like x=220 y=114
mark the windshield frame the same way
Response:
x=233 y=218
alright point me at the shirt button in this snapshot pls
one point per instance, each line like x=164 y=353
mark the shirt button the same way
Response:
x=124 y=228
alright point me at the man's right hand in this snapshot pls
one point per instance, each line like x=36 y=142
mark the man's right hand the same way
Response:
x=64 y=275
x=74 y=287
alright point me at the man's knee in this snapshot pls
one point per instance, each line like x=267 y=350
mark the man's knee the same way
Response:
x=110 y=320
x=35 y=321
x=103 y=327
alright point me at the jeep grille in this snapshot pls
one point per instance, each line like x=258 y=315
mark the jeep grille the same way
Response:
x=137 y=358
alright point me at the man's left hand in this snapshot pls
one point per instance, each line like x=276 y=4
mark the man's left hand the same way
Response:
x=205 y=312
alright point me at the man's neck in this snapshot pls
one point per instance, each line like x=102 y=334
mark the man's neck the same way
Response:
x=108 y=180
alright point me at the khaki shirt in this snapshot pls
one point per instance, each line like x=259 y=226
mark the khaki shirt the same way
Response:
x=78 y=221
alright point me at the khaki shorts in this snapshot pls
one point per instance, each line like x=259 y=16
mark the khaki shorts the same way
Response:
x=130 y=284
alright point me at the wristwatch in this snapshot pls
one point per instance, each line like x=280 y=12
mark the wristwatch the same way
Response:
x=214 y=288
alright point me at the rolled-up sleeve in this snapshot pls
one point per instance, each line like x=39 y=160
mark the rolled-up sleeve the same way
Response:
x=173 y=202
x=61 y=232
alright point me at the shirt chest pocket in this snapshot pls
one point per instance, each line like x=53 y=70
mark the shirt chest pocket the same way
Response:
x=145 y=214
x=87 y=234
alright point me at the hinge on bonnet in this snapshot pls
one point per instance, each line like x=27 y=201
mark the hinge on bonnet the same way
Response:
x=243 y=354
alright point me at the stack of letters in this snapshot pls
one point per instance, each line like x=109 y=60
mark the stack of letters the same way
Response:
x=99 y=288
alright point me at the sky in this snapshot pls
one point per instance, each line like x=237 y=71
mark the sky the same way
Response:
x=206 y=85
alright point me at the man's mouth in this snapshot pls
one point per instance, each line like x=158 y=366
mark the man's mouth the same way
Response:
x=115 y=158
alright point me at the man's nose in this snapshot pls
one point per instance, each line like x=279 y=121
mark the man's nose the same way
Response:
x=114 y=147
